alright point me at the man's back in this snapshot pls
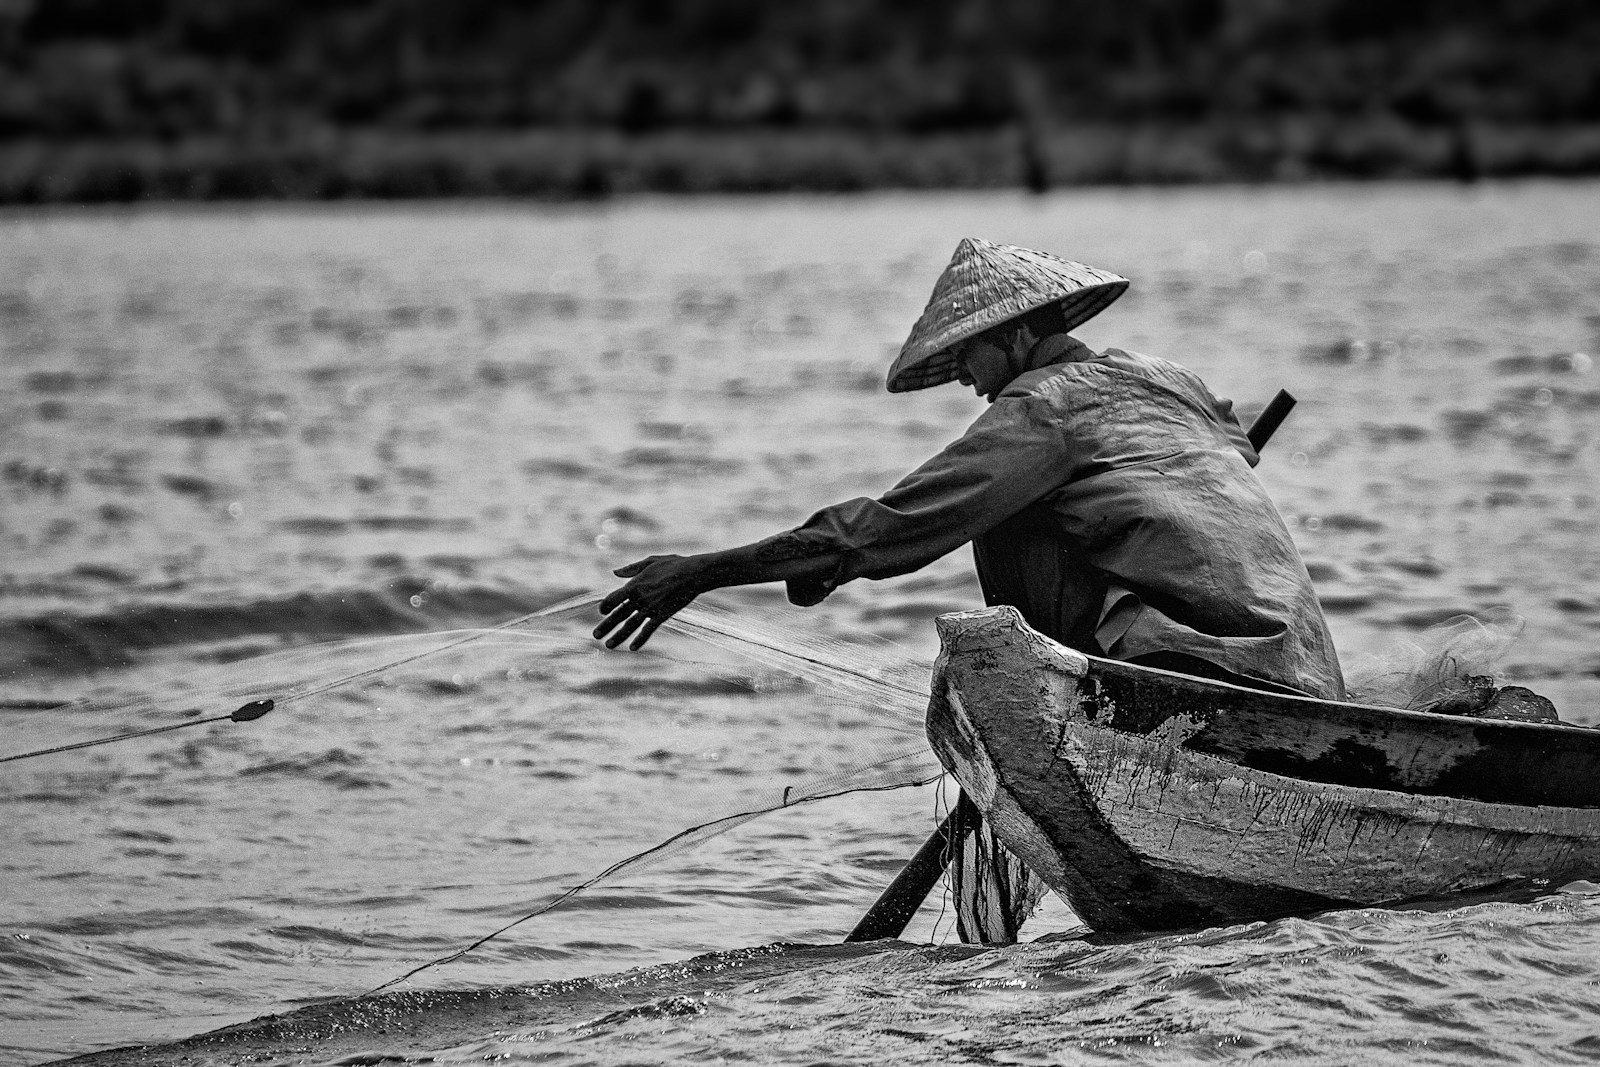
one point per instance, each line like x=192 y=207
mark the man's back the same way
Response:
x=1157 y=536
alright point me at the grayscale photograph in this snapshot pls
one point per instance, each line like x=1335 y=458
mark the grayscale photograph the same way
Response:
x=870 y=533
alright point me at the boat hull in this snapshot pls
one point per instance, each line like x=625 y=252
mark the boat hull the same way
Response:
x=1153 y=818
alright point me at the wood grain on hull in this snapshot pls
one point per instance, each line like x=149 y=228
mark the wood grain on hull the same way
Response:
x=1143 y=829
x=1350 y=744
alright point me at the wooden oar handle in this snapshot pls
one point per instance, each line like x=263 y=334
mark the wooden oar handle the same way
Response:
x=898 y=903
x=1271 y=417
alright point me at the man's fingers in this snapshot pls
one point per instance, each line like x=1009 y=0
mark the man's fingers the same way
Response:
x=644 y=635
x=613 y=617
x=616 y=597
x=633 y=568
x=625 y=630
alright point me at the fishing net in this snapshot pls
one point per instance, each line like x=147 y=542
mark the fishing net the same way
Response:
x=994 y=891
x=875 y=677
x=878 y=683
x=1449 y=667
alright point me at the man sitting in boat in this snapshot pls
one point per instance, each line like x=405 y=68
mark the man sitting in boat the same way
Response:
x=1108 y=496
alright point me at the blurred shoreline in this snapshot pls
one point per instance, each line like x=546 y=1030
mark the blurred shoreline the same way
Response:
x=574 y=163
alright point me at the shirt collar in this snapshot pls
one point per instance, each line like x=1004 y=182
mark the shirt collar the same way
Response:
x=1058 y=348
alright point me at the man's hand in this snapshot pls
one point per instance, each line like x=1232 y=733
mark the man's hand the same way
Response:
x=659 y=588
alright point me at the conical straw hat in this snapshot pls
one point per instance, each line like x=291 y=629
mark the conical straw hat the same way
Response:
x=987 y=284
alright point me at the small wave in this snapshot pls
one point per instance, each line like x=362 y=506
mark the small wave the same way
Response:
x=151 y=836
x=626 y=516
x=912 y=610
x=417 y=1025
x=247 y=950
x=347 y=780
x=314 y=525
x=63 y=641
x=1394 y=433
x=1421 y=566
x=1554 y=363
x=333 y=757
x=53 y=381
x=171 y=961
x=379 y=900
x=325 y=526
x=672 y=460
x=190 y=485
x=196 y=426
x=157 y=919
x=538 y=469
x=300 y=934
x=673 y=1007
x=161 y=800
x=413 y=524
x=1422 y=618
x=317 y=768
x=1346 y=522
x=101 y=572
x=632 y=687
x=1349 y=350
x=36 y=476
x=46 y=796
x=153 y=854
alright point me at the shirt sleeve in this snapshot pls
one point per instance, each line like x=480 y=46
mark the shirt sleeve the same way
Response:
x=1015 y=454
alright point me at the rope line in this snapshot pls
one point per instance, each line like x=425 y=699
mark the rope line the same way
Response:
x=118 y=737
x=630 y=861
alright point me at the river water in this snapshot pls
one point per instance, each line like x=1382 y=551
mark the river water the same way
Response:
x=229 y=432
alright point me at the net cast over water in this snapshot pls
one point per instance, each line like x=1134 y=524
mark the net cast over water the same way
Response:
x=871 y=681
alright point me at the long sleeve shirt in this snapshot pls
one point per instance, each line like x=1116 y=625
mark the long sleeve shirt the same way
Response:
x=1111 y=499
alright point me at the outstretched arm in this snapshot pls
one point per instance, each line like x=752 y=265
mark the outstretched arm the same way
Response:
x=1013 y=455
x=661 y=586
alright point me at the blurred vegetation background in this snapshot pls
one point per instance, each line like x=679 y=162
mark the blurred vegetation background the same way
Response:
x=156 y=99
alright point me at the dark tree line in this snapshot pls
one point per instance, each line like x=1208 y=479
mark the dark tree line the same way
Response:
x=261 y=69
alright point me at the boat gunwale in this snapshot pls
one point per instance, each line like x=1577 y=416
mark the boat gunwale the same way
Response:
x=1191 y=681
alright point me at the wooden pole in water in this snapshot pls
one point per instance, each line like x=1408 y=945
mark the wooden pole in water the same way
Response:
x=893 y=909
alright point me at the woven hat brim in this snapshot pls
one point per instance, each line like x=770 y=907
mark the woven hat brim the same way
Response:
x=933 y=359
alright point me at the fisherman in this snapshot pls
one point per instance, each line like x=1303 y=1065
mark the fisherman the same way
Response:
x=1108 y=496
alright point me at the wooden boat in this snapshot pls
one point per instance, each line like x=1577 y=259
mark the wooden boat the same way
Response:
x=1156 y=801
